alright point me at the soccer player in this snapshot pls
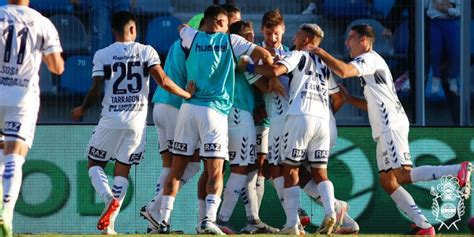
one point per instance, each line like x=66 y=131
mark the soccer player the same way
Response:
x=389 y=124
x=273 y=28
x=124 y=68
x=243 y=173
x=27 y=38
x=306 y=126
x=165 y=114
x=203 y=119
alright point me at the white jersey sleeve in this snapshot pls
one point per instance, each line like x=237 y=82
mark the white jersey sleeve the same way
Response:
x=291 y=60
x=187 y=35
x=98 y=65
x=364 y=65
x=152 y=56
x=51 y=42
x=241 y=46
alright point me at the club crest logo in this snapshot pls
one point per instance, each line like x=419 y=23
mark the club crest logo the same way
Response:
x=448 y=202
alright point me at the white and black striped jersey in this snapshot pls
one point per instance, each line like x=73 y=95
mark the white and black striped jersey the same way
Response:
x=384 y=108
x=26 y=37
x=309 y=79
x=125 y=68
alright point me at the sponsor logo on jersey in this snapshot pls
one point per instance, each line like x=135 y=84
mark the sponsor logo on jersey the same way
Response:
x=211 y=147
x=320 y=154
x=97 y=153
x=135 y=158
x=12 y=126
x=298 y=153
x=180 y=146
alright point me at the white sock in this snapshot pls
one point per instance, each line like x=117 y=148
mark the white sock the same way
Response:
x=166 y=208
x=326 y=190
x=406 y=203
x=119 y=190
x=212 y=204
x=191 y=169
x=201 y=209
x=260 y=189
x=2 y=163
x=428 y=172
x=279 y=183
x=100 y=182
x=250 y=198
x=291 y=205
x=232 y=192
x=12 y=181
x=311 y=188
x=161 y=180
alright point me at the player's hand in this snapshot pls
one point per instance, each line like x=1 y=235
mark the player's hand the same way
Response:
x=345 y=93
x=191 y=88
x=242 y=64
x=77 y=113
x=312 y=48
x=275 y=85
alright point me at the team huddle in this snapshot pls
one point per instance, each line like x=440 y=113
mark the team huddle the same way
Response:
x=265 y=109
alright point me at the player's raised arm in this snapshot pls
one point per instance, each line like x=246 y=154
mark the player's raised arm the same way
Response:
x=92 y=97
x=340 y=68
x=164 y=81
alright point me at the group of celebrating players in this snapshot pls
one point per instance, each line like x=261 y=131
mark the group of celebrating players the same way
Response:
x=264 y=108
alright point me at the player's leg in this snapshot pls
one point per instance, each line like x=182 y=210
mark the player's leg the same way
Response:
x=164 y=118
x=387 y=162
x=213 y=134
x=291 y=196
x=234 y=188
x=398 y=144
x=18 y=127
x=185 y=141
x=202 y=193
x=262 y=150
x=274 y=158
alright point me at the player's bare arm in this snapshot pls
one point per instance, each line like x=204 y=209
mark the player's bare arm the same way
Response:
x=91 y=98
x=262 y=85
x=55 y=63
x=355 y=101
x=337 y=100
x=340 y=68
x=164 y=81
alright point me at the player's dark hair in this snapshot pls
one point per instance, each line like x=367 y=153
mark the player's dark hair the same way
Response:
x=120 y=19
x=231 y=9
x=365 y=30
x=272 y=18
x=212 y=12
x=240 y=27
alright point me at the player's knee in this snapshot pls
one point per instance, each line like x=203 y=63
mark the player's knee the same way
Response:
x=389 y=183
x=403 y=176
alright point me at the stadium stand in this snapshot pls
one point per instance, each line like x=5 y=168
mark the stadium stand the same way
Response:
x=400 y=43
x=72 y=34
x=148 y=8
x=77 y=76
x=383 y=7
x=162 y=32
x=52 y=6
x=346 y=8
